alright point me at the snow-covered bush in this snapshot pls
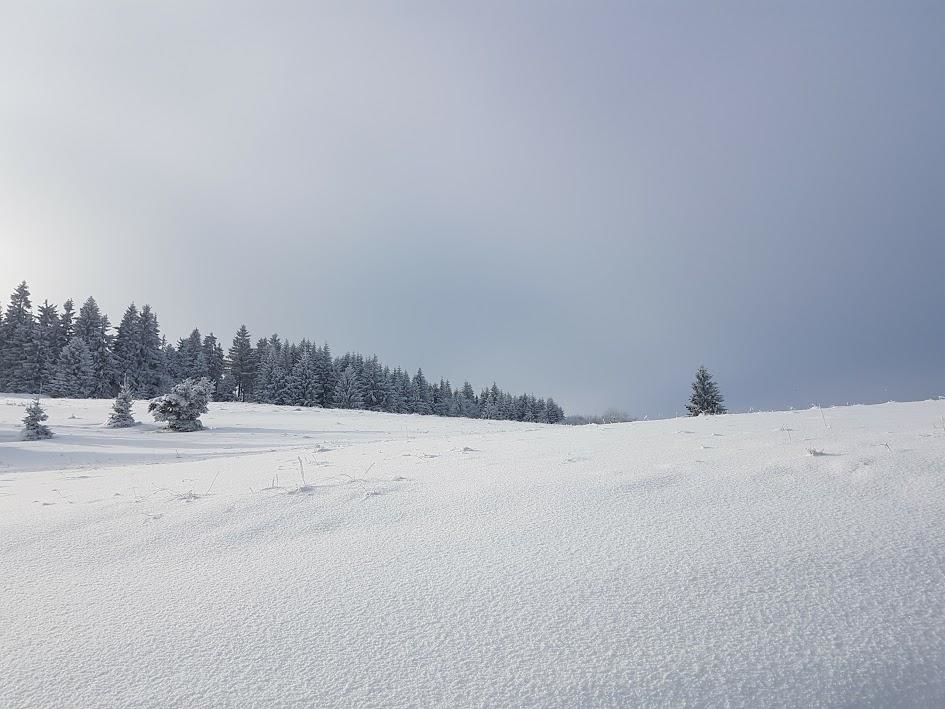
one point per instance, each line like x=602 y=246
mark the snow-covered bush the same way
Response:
x=33 y=427
x=182 y=406
x=121 y=416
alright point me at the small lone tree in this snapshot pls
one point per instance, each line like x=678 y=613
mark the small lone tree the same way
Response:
x=121 y=416
x=33 y=427
x=706 y=397
x=182 y=406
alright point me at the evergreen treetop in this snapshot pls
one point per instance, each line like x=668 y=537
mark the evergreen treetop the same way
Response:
x=706 y=398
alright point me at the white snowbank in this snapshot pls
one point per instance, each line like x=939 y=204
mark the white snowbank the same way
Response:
x=444 y=562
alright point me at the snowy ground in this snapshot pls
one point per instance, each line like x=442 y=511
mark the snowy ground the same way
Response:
x=444 y=562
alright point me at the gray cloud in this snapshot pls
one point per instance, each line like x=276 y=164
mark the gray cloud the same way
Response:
x=587 y=201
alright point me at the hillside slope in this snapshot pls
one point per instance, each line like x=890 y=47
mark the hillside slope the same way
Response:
x=449 y=562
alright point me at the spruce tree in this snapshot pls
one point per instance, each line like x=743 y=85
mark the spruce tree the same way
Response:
x=706 y=397
x=48 y=339
x=470 y=404
x=325 y=376
x=442 y=398
x=18 y=358
x=301 y=389
x=191 y=361
x=103 y=362
x=66 y=323
x=555 y=412
x=374 y=388
x=127 y=344
x=33 y=427
x=121 y=415
x=348 y=390
x=241 y=366
x=422 y=401
x=88 y=324
x=213 y=356
x=150 y=363
x=73 y=376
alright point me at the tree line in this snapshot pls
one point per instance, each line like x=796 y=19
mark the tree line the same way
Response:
x=79 y=354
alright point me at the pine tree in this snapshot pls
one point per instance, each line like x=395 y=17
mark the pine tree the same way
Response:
x=92 y=327
x=327 y=377
x=103 y=363
x=470 y=404
x=33 y=427
x=18 y=358
x=421 y=403
x=127 y=345
x=121 y=415
x=150 y=363
x=241 y=365
x=374 y=387
x=48 y=339
x=66 y=323
x=348 y=390
x=265 y=363
x=490 y=404
x=88 y=324
x=442 y=398
x=191 y=361
x=213 y=356
x=32 y=365
x=706 y=397
x=555 y=412
x=73 y=376
x=302 y=381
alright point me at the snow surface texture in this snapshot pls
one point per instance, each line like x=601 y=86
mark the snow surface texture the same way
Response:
x=446 y=562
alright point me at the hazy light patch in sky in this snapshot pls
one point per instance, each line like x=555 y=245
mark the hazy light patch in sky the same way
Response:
x=587 y=201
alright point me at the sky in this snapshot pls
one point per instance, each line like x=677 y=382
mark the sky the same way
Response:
x=583 y=200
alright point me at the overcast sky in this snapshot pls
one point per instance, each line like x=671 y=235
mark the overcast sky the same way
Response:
x=579 y=199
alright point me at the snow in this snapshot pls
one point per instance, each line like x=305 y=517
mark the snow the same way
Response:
x=428 y=561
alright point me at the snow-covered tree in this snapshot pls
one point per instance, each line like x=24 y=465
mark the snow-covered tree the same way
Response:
x=73 y=376
x=442 y=398
x=326 y=377
x=39 y=353
x=216 y=362
x=191 y=360
x=18 y=365
x=47 y=342
x=66 y=323
x=422 y=395
x=150 y=363
x=182 y=406
x=348 y=390
x=706 y=397
x=121 y=415
x=265 y=357
x=33 y=427
x=89 y=322
x=555 y=412
x=241 y=364
x=103 y=363
x=127 y=344
x=469 y=404
x=93 y=328
x=375 y=391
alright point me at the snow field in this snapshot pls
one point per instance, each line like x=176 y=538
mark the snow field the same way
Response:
x=428 y=561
